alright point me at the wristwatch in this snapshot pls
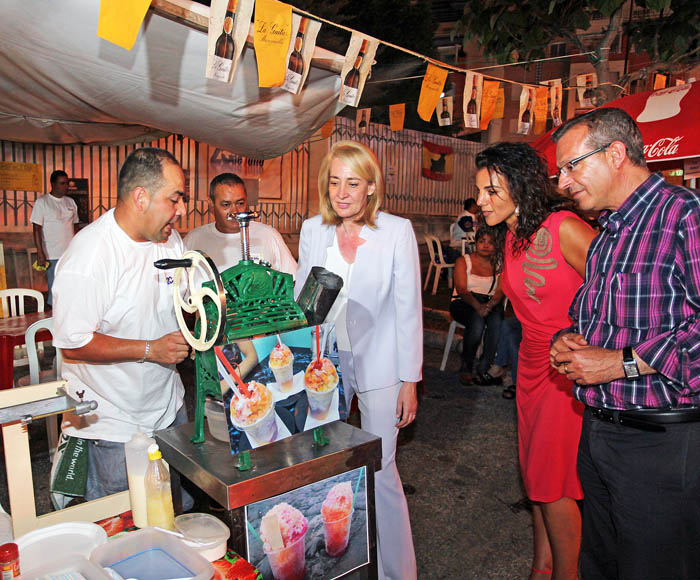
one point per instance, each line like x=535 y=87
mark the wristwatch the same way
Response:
x=629 y=364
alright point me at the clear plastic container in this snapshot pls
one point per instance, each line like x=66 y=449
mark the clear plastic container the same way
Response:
x=68 y=565
x=150 y=554
x=208 y=534
x=216 y=419
x=159 y=499
x=136 y=465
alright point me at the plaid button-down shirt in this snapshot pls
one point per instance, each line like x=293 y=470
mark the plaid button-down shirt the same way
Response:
x=642 y=289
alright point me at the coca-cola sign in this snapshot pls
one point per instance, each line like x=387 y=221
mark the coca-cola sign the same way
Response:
x=662 y=147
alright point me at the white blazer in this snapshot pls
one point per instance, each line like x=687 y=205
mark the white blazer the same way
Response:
x=384 y=310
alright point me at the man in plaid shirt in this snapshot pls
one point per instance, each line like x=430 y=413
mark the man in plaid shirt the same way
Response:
x=633 y=354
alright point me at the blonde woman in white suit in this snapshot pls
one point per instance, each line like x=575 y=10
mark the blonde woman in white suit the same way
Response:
x=378 y=321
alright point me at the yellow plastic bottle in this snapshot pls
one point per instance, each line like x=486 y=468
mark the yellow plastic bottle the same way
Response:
x=159 y=499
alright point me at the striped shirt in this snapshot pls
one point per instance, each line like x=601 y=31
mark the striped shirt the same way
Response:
x=642 y=289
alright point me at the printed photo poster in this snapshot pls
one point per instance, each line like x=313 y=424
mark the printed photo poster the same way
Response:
x=316 y=532
x=555 y=101
x=229 y=22
x=358 y=63
x=362 y=120
x=585 y=85
x=438 y=161
x=444 y=112
x=472 y=99
x=527 y=107
x=294 y=385
x=301 y=49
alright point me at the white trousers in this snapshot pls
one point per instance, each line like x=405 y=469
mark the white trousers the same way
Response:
x=395 y=554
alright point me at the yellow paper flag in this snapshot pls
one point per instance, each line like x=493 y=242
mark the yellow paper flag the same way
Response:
x=433 y=83
x=541 y=110
x=396 y=116
x=327 y=128
x=120 y=21
x=500 y=104
x=273 y=30
x=489 y=97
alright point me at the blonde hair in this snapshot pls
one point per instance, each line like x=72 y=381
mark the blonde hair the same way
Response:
x=362 y=161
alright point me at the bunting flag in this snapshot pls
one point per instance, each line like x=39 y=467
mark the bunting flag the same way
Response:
x=489 y=99
x=500 y=111
x=362 y=120
x=438 y=161
x=120 y=21
x=397 y=113
x=433 y=83
x=358 y=63
x=527 y=104
x=444 y=112
x=327 y=128
x=586 y=83
x=555 y=100
x=541 y=110
x=273 y=30
x=472 y=99
x=660 y=81
x=300 y=52
x=229 y=22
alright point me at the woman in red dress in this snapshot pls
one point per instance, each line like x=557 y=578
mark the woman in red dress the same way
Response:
x=544 y=247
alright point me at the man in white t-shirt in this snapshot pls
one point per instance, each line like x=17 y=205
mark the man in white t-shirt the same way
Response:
x=114 y=317
x=53 y=218
x=221 y=240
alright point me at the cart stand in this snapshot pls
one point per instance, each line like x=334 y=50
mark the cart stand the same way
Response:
x=277 y=468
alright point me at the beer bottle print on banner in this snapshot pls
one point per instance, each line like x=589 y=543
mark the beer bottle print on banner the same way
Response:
x=587 y=100
x=225 y=46
x=524 y=125
x=295 y=67
x=348 y=93
x=471 y=119
x=556 y=114
x=445 y=114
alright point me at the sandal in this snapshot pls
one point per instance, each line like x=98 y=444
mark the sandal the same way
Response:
x=509 y=392
x=485 y=380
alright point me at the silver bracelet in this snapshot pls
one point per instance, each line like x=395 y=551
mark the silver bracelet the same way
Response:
x=145 y=354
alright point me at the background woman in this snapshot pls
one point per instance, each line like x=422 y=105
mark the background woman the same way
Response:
x=544 y=248
x=378 y=322
x=476 y=304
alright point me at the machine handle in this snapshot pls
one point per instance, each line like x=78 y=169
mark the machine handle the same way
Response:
x=170 y=263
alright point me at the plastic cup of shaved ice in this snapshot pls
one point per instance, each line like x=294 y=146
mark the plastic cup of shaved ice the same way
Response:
x=255 y=415
x=336 y=512
x=282 y=366
x=289 y=561
x=320 y=385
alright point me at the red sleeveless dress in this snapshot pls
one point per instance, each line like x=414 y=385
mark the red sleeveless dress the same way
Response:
x=541 y=285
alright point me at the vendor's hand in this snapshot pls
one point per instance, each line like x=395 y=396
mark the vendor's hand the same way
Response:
x=41 y=257
x=406 y=404
x=169 y=349
x=483 y=310
x=565 y=343
x=590 y=365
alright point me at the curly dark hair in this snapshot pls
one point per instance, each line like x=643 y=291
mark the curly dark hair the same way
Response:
x=530 y=188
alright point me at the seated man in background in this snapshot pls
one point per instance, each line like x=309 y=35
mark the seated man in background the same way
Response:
x=221 y=240
x=465 y=223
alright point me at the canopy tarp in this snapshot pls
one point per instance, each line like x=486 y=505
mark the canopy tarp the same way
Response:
x=60 y=83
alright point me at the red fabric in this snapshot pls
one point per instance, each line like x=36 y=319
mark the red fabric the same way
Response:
x=541 y=285
x=675 y=136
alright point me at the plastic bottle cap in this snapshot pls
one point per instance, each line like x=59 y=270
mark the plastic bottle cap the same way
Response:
x=9 y=552
x=154 y=452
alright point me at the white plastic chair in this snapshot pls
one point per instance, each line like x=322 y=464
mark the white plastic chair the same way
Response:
x=436 y=262
x=12 y=301
x=448 y=343
x=37 y=376
x=468 y=242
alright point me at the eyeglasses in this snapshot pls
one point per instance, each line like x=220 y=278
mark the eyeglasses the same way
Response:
x=571 y=165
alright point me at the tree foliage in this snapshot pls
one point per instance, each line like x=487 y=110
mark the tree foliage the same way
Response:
x=521 y=31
